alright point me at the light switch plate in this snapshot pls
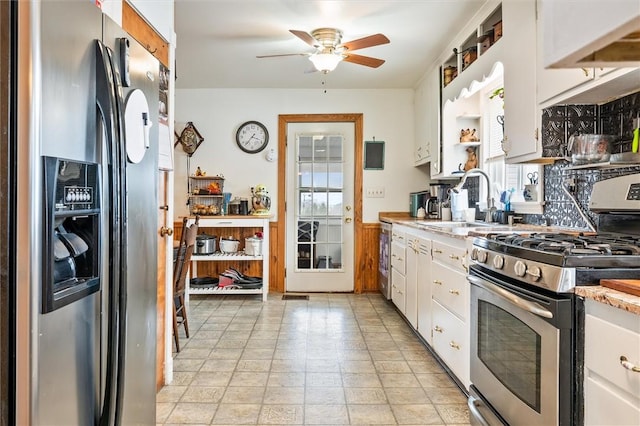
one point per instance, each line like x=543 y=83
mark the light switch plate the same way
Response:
x=375 y=192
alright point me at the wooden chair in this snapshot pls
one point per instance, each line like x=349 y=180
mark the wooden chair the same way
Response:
x=180 y=268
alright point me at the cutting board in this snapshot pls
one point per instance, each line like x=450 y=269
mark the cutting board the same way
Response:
x=626 y=286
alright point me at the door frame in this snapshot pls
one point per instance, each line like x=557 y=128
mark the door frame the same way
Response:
x=280 y=252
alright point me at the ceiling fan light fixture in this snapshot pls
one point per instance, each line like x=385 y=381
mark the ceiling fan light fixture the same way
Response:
x=325 y=62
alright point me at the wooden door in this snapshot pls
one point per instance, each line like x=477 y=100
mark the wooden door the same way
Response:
x=165 y=242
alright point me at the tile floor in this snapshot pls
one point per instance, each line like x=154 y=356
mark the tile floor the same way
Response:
x=330 y=360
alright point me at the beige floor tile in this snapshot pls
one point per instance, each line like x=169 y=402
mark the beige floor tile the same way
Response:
x=355 y=366
x=445 y=395
x=326 y=415
x=284 y=395
x=288 y=365
x=220 y=378
x=416 y=414
x=201 y=343
x=190 y=412
x=392 y=367
x=324 y=396
x=361 y=380
x=249 y=378
x=219 y=365
x=221 y=353
x=187 y=364
x=210 y=394
x=354 y=355
x=257 y=353
x=365 y=396
x=288 y=379
x=323 y=366
x=406 y=396
x=435 y=380
x=281 y=415
x=394 y=355
x=254 y=343
x=260 y=365
x=170 y=393
x=365 y=414
x=399 y=380
x=453 y=413
x=163 y=409
x=182 y=378
x=243 y=395
x=323 y=380
x=237 y=414
x=194 y=353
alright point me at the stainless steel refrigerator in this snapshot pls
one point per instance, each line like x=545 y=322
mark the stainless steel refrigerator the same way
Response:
x=86 y=202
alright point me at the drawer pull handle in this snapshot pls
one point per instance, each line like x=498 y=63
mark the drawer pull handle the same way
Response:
x=393 y=255
x=400 y=259
x=629 y=365
x=456 y=292
x=438 y=282
x=436 y=251
x=454 y=345
x=438 y=329
x=454 y=257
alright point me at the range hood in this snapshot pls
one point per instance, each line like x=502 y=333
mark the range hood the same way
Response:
x=591 y=33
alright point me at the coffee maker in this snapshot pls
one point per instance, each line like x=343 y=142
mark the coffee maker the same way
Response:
x=438 y=193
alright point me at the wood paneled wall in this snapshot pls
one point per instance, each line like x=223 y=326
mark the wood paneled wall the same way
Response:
x=144 y=34
x=367 y=258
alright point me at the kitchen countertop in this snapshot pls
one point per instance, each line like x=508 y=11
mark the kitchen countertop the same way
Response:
x=609 y=296
x=462 y=230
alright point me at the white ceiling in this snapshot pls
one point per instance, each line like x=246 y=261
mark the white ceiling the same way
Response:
x=218 y=40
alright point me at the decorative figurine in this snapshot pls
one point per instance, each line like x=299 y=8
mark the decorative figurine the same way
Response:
x=260 y=200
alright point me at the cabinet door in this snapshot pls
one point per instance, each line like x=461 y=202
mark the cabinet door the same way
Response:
x=423 y=280
x=520 y=107
x=451 y=342
x=411 y=284
x=604 y=407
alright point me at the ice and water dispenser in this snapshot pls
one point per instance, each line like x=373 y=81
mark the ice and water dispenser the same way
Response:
x=71 y=258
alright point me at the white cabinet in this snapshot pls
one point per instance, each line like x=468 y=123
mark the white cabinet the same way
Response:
x=411 y=282
x=423 y=283
x=612 y=350
x=573 y=31
x=450 y=305
x=427 y=118
x=398 y=267
x=234 y=222
x=521 y=135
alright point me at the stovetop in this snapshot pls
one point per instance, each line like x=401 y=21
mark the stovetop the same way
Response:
x=601 y=250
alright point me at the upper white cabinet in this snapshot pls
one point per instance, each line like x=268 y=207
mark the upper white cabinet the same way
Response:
x=427 y=117
x=521 y=135
x=587 y=33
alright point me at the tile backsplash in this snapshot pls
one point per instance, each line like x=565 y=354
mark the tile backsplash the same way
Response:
x=558 y=124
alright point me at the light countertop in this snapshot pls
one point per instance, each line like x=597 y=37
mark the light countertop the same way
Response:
x=609 y=296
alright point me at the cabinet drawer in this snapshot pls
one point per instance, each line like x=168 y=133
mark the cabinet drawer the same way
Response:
x=604 y=407
x=451 y=342
x=398 y=236
x=451 y=289
x=398 y=256
x=453 y=256
x=605 y=343
x=398 y=290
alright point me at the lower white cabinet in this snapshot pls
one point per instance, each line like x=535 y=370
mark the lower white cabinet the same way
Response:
x=398 y=267
x=611 y=366
x=423 y=272
x=451 y=341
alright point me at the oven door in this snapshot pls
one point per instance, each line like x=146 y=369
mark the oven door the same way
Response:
x=514 y=350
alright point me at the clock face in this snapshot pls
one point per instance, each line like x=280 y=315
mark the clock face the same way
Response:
x=252 y=137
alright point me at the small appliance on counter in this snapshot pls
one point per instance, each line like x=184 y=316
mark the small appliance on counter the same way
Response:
x=417 y=200
x=260 y=200
x=437 y=196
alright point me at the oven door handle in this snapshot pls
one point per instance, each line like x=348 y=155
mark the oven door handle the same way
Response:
x=534 y=308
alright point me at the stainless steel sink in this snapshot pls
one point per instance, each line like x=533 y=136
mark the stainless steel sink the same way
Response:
x=457 y=224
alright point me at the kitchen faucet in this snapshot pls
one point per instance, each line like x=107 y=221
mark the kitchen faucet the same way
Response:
x=490 y=202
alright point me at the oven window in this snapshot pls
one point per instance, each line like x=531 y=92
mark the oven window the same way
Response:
x=511 y=351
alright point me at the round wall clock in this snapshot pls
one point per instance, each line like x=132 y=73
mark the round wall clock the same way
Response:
x=252 y=137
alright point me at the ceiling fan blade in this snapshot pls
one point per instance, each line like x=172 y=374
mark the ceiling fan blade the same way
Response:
x=361 y=43
x=284 y=54
x=363 y=60
x=306 y=37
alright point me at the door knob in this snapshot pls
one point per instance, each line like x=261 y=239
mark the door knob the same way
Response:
x=165 y=208
x=165 y=231
x=348 y=219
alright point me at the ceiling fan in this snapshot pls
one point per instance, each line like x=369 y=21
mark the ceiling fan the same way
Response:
x=330 y=50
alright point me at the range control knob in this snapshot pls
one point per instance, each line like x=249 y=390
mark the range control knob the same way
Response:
x=498 y=261
x=520 y=268
x=482 y=256
x=474 y=253
x=534 y=272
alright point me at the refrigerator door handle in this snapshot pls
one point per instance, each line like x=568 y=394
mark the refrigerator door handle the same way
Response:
x=110 y=107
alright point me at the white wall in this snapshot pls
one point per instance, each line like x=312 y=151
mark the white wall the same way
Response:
x=216 y=113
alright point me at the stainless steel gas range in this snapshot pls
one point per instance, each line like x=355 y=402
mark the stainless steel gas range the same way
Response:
x=526 y=324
